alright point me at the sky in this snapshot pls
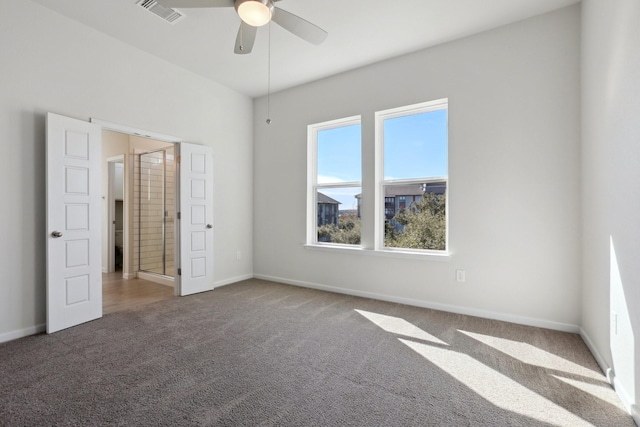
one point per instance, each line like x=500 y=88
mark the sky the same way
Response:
x=415 y=146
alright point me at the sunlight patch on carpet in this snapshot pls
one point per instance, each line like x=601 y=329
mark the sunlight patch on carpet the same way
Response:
x=604 y=392
x=495 y=387
x=535 y=356
x=396 y=325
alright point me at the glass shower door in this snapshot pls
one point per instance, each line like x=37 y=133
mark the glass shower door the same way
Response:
x=156 y=212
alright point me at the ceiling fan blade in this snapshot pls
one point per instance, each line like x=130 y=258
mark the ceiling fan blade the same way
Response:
x=245 y=39
x=196 y=3
x=298 y=26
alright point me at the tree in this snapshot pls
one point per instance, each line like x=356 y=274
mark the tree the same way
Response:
x=422 y=225
x=347 y=231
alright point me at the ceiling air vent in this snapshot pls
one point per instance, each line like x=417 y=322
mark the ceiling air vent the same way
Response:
x=167 y=14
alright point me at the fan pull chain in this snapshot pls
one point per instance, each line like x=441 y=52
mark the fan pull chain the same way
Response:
x=269 y=79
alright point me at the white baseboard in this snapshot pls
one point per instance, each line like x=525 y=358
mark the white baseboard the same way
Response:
x=21 y=333
x=522 y=320
x=625 y=397
x=233 y=280
x=606 y=369
x=128 y=276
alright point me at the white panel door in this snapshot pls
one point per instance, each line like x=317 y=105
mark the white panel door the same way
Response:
x=196 y=219
x=74 y=271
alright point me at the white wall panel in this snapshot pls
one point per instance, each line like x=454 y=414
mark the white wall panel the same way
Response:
x=610 y=188
x=514 y=156
x=119 y=84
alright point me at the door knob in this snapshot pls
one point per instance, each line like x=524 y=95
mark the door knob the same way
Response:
x=56 y=234
x=209 y=226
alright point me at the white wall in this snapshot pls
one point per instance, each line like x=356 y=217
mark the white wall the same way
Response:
x=611 y=189
x=54 y=64
x=514 y=174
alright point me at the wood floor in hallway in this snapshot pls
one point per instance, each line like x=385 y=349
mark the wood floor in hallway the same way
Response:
x=120 y=294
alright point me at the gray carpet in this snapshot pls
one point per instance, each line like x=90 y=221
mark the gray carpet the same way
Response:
x=261 y=353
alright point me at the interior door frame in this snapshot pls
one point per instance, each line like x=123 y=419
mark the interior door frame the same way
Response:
x=111 y=213
x=164 y=138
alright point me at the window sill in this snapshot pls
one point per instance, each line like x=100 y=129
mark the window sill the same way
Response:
x=387 y=253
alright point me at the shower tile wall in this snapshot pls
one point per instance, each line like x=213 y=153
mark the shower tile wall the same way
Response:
x=149 y=207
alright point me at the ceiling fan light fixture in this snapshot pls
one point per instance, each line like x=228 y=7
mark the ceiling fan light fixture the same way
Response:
x=255 y=12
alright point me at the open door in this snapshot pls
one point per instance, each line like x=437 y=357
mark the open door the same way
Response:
x=196 y=219
x=74 y=273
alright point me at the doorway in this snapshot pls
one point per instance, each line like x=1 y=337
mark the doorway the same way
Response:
x=138 y=220
x=76 y=206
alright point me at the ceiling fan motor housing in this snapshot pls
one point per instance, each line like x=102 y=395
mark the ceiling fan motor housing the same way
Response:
x=255 y=12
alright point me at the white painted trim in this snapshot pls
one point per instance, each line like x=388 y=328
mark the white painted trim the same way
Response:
x=624 y=396
x=135 y=131
x=635 y=413
x=606 y=369
x=504 y=317
x=155 y=278
x=109 y=245
x=128 y=276
x=21 y=333
x=117 y=158
x=232 y=280
x=389 y=253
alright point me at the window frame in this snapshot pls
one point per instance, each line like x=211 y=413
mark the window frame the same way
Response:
x=313 y=187
x=380 y=182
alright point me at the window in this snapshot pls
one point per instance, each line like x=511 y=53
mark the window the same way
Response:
x=412 y=166
x=334 y=182
x=409 y=180
x=402 y=203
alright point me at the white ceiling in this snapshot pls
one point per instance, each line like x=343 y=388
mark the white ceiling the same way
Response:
x=361 y=32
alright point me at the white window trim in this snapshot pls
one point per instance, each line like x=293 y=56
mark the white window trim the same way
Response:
x=395 y=253
x=312 y=177
x=380 y=182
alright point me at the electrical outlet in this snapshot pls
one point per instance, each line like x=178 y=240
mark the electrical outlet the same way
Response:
x=461 y=276
x=238 y=255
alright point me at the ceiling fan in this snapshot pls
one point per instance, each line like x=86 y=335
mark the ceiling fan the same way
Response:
x=254 y=14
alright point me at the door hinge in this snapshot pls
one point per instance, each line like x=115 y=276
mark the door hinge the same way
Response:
x=179 y=272
x=179 y=216
x=178 y=158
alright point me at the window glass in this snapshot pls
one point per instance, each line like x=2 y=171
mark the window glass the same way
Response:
x=336 y=187
x=415 y=145
x=339 y=158
x=339 y=215
x=420 y=223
